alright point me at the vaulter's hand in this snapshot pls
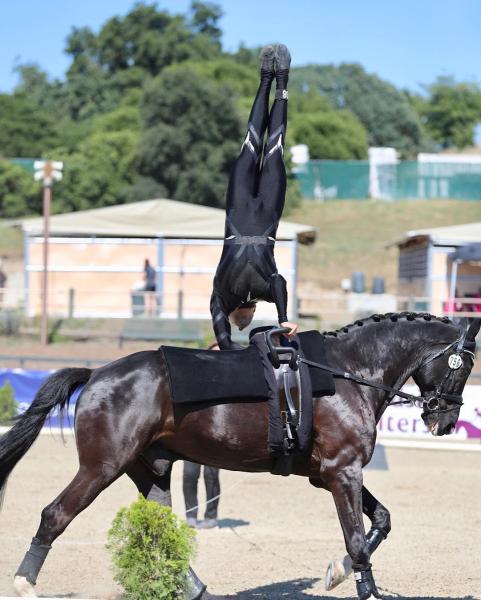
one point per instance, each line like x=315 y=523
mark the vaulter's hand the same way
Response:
x=293 y=328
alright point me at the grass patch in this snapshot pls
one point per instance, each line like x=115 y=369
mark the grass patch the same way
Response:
x=354 y=235
x=11 y=240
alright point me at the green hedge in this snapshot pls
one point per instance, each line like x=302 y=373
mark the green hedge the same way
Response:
x=151 y=550
x=8 y=405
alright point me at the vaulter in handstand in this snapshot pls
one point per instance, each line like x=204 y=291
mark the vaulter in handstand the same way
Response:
x=256 y=192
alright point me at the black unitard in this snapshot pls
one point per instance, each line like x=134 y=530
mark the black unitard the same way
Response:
x=255 y=199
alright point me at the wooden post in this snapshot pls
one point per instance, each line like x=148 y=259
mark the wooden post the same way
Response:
x=46 y=171
x=47 y=201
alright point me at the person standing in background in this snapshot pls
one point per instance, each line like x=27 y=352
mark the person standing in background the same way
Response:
x=3 y=283
x=212 y=489
x=149 y=288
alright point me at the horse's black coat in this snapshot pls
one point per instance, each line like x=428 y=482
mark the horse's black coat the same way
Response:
x=125 y=417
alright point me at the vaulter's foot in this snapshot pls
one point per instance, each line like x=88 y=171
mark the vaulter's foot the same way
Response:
x=266 y=60
x=282 y=60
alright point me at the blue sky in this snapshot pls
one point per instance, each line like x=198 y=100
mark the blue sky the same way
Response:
x=407 y=43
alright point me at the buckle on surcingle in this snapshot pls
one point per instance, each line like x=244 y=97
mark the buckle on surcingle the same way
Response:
x=285 y=361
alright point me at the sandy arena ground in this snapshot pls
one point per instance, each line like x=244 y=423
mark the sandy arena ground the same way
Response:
x=277 y=534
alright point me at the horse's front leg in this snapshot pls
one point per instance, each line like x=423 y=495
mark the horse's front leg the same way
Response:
x=339 y=570
x=346 y=487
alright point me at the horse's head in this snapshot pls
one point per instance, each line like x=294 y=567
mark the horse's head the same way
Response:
x=441 y=377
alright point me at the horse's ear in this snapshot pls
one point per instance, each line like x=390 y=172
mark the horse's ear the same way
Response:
x=473 y=329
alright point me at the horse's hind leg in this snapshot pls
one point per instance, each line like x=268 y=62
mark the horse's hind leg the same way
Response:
x=151 y=473
x=339 y=570
x=83 y=489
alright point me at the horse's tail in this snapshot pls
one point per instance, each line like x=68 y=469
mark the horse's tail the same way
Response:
x=55 y=392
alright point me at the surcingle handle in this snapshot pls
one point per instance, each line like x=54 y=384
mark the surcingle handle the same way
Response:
x=276 y=351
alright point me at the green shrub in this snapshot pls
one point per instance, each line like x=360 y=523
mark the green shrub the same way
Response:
x=151 y=551
x=8 y=404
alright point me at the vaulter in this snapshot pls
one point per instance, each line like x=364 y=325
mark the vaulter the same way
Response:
x=247 y=271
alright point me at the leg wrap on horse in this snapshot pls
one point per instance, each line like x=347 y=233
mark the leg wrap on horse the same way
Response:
x=195 y=588
x=33 y=561
x=163 y=497
x=365 y=584
x=374 y=538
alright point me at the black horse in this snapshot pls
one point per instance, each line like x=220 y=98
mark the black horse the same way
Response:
x=125 y=423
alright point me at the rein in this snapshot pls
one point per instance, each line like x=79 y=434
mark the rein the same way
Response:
x=410 y=398
x=431 y=404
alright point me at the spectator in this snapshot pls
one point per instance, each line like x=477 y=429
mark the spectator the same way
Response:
x=149 y=288
x=3 y=283
x=212 y=489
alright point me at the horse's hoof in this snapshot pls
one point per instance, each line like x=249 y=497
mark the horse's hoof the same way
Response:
x=23 y=588
x=337 y=572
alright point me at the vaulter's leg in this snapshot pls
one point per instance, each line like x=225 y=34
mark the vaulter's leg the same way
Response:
x=272 y=184
x=339 y=570
x=346 y=488
x=244 y=173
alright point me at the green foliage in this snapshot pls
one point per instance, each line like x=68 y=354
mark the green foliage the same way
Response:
x=19 y=193
x=25 y=129
x=152 y=107
x=452 y=112
x=383 y=110
x=151 y=551
x=8 y=405
x=205 y=20
x=191 y=136
x=329 y=133
x=97 y=173
x=147 y=38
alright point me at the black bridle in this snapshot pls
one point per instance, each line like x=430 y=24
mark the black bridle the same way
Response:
x=430 y=404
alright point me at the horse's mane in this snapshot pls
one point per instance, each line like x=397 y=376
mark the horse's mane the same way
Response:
x=393 y=317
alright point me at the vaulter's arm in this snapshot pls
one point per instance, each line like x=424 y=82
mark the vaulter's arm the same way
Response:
x=278 y=288
x=221 y=323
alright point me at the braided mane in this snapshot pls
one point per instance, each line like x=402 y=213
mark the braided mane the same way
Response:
x=393 y=317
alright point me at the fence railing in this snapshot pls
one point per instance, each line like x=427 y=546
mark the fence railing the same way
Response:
x=330 y=308
x=349 y=179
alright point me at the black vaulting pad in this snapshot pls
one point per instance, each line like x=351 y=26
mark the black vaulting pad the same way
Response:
x=203 y=375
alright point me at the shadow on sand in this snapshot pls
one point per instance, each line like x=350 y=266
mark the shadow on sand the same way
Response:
x=223 y=523
x=296 y=589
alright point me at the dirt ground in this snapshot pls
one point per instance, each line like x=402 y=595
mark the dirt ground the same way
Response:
x=277 y=534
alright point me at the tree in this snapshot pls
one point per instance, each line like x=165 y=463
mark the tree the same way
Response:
x=205 y=20
x=19 y=193
x=329 y=133
x=25 y=130
x=332 y=135
x=452 y=111
x=147 y=38
x=383 y=110
x=97 y=174
x=191 y=134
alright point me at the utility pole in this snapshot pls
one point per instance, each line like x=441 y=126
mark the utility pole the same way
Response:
x=46 y=171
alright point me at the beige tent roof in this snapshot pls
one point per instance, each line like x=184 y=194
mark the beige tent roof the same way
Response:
x=153 y=218
x=456 y=235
